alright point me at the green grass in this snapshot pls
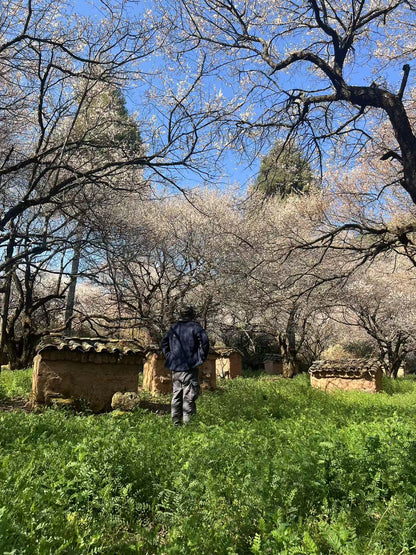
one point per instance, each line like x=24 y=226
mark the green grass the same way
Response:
x=266 y=467
x=15 y=384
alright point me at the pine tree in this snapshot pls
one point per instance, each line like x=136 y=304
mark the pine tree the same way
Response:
x=284 y=171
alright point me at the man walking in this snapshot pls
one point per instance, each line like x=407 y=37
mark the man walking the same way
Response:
x=185 y=347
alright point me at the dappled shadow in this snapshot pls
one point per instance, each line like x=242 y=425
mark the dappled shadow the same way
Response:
x=15 y=404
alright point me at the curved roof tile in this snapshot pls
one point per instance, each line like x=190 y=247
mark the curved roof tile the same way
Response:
x=89 y=345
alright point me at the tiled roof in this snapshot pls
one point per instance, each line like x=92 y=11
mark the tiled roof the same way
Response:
x=347 y=368
x=89 y=345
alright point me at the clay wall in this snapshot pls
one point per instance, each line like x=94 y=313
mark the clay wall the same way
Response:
x=347 y=375
x=229 y=367
x=92 y=376
x=156 y=377
x=207 y=373
x=273 y=367
x=346 y=384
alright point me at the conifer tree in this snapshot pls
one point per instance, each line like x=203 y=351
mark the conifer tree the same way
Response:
x=284 y=171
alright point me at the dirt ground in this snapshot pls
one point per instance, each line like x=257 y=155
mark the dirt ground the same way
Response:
x=16 y=403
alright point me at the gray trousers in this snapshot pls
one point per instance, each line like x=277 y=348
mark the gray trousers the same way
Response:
x=185 y=393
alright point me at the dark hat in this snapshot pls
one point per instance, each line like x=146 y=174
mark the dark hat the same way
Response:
x=187 y=313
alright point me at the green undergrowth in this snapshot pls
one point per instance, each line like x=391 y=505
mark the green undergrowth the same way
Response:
x=267 y=466
x=15 y=384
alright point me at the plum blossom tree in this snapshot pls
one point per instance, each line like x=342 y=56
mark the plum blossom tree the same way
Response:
x=314 y=70
x=158 y=255
x=275 y=290
x=36 y=289
x=381 y=302
x=366 y=212
x=65 y=134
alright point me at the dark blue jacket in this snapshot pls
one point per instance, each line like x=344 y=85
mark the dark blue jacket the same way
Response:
x=185 y=346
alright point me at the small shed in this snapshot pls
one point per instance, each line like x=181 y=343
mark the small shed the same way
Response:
x=228 y=363
x=91 y=369
x=273 y=364
x=156 y=377
x=347 y=375
x=207 y=373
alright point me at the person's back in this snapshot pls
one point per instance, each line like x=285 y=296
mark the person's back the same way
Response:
x=185 y=347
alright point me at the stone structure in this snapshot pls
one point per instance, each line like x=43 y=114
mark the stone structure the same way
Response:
x=347 y=375
x=125 y=401
x=207 y=373
x=228 y=363
x=273 y=365
x=156 y=377
x=90 y=369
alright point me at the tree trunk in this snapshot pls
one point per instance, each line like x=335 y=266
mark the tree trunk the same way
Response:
x=390 y=369
x=290 y=368
x=6 y=292
x=392 y=358
x=21 y=351
x=289 y=355
x=393 y=105
x=70 y=301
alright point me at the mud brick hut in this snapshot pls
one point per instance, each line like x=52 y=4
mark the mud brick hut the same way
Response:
x=207 y=373
x=91 y=369
x=347 y=375
x=156 y=377
x=273 y=365
x=228 y=363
